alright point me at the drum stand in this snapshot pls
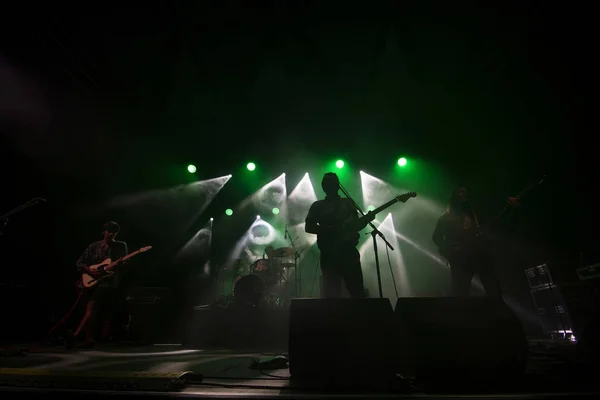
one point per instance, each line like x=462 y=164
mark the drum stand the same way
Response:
x=279 y=296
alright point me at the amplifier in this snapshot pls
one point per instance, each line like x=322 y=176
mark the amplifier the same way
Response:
x=589 y=272
x=539 y=276
x=147 y=295
x=149 y=309
x=582 y=299
x=552 y=311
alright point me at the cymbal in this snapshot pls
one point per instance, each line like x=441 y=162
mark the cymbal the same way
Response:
x=283 y=252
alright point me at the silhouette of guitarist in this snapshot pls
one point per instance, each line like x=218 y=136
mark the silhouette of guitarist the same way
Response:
x=456 y=236
x=336 y=223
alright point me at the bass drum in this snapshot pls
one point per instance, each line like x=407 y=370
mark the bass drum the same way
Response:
x=249 y=291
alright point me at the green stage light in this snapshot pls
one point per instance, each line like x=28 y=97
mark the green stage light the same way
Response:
x=229 y=212
x=339 y=163
x=251 y=166
x=275 y=210
x=402 y=161
x=191 y=168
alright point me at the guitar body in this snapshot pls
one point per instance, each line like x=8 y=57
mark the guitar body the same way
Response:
x=90 y=280
x=469 y=244
x=337 y=239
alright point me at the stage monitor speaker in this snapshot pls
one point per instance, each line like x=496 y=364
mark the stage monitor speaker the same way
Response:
x=449 y=338
x=340 y=341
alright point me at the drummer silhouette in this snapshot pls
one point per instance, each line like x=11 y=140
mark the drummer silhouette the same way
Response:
x=269 y=252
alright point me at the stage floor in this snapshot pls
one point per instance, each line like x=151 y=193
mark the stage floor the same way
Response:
x=177 y=371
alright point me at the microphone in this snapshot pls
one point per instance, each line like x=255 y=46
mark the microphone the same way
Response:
x=285 y=233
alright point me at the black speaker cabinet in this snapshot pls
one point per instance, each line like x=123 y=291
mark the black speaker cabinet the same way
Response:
x=148 y=309
x=338 y=340
x=478 y=338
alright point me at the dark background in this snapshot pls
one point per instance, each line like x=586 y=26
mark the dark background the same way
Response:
x=99 y=100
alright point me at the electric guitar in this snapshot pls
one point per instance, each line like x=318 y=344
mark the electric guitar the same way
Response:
x=346 y=233
x=472 y=239
x=100 y=271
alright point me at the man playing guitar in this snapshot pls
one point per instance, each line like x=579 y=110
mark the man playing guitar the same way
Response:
x=336 y=223
x=102 y=299
x=456 y=236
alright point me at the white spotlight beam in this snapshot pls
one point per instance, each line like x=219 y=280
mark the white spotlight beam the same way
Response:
x=241 y=245
x=304 y=240
x=398 y=268
x=423 y=250
x=273 y=194
x=377 y=192
x=198 y=245
x=304 y=190
x=208 y=187
x=300 y=200
x=401 y=277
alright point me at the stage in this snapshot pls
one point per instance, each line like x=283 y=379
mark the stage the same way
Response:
x=175 y=370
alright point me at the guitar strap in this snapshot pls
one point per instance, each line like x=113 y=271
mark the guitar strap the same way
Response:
x=473 y=214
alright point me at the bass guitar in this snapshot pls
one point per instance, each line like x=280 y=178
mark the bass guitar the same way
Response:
x=346 y=233
x=103 y=270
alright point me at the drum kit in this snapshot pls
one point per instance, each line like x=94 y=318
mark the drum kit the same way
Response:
x=265 y=281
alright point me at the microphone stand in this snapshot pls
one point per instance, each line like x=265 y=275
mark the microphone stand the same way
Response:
x=374 y=233
x=4 y=218
x=298 y=274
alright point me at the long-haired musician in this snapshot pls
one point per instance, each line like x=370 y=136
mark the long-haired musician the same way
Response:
x=467 y=255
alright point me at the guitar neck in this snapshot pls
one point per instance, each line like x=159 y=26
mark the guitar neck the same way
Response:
x=128 y=256
x=499 y=215
x=386 y=205
x=507 y=207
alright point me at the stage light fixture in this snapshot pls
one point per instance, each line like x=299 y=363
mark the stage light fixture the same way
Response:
x=191 y=168
x=339 y=163
x=402 y=161
x=229 y=212
x=251 y=166
x=275 y=210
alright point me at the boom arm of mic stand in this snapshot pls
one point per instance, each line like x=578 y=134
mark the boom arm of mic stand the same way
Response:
x=375 y=230
x=22 y=207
